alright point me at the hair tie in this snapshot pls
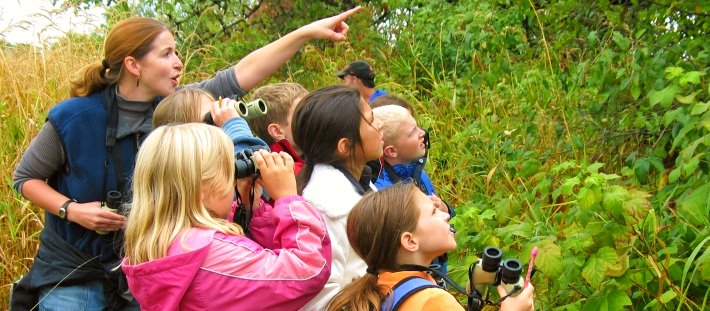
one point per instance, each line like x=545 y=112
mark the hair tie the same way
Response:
x=371 y=271
x=105 y=64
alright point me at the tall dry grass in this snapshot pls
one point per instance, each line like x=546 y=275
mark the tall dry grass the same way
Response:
x=32 y=79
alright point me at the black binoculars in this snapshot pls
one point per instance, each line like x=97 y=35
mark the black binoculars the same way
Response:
x=244 y=165
x=113 y=204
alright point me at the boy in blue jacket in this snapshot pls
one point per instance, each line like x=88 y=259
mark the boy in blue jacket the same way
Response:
x=404 y=156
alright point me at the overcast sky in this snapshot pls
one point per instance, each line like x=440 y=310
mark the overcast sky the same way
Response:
x=34 y=21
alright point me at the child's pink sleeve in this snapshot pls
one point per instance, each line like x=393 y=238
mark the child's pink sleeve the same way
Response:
x=262 y=225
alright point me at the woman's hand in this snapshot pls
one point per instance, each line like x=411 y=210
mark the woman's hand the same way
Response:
x=276 y=171
x=91 y=216
x=332 y=28
x=521 y=302
x=227 y=110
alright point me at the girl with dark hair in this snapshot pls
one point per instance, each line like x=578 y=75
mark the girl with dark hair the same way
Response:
x=400 y=226
x=338 y=134
x=87 y=148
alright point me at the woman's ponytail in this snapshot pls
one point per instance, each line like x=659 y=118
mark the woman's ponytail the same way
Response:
x=92 y=78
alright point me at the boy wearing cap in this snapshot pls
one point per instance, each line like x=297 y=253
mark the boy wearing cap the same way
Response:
x=359 y=75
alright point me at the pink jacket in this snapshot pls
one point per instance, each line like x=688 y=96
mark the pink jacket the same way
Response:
x=209 y=270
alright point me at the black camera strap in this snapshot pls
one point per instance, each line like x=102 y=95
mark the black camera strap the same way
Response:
x=416 y=177
x=242 y=215
x=111 y=104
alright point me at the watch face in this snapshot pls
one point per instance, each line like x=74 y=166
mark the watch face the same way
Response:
x=62 y=213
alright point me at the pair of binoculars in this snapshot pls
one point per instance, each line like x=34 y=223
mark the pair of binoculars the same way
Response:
x=248 y=111
x=244 y=165
x=112 y=204
x=492 y=270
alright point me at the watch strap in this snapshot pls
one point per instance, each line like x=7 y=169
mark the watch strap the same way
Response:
x=65 y=207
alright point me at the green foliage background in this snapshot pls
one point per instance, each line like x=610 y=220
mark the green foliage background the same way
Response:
x=580 y=127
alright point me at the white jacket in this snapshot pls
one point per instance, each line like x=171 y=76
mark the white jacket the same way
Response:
x=331 y=193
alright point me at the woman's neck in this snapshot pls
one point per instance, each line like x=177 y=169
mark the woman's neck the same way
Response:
x=129 y=91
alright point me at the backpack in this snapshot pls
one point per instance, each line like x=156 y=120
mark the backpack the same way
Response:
x=403 y=290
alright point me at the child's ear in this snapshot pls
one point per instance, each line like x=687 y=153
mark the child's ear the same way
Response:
x=389 y=151
x=409 y=242
x=343 y=147
x=276 y=132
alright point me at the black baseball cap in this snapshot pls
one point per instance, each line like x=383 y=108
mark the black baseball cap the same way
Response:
x=360 y=69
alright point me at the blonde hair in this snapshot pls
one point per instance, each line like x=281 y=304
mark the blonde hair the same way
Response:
x=392 y=117
x=278 y=97
x=130 y=37
x=182 y=106
x=375 y=226
x=172 y=165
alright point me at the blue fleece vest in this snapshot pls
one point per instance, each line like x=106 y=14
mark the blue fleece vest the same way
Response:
x=81 y=123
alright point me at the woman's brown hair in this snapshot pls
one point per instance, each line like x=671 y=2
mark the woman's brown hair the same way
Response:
x=130 y=37
x=375 y=226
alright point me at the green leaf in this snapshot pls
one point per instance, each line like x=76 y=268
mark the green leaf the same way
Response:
x=597 y=265
x=587 y=197
x=635 y=90
x=673 y=72
x=621 y=41
x=703 y=264
x=592 y=38
x=664 y=96
x=594 y=168
x=641 y=168
x=530 y=167
x=694 y=205
x=673 y=115
x=612 y=301
x=699 y=108
x=692 y=77
x=674 y=175
x=692 y=165
x=650 y=224
x=613 y=199
x=566 y=188
x=688 y=99
x=549 y=259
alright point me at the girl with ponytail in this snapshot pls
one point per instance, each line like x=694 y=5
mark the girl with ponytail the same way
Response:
x=397 y=227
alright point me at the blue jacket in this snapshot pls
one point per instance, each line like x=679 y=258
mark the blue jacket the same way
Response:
x=81 y=123
x=413 y=171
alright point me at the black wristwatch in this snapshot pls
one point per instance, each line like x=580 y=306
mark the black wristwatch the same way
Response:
x=64 y=209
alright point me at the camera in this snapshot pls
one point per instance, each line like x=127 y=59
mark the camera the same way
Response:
x=492 y=270
x=112 y=204
x=248 y=111
x=244 y=165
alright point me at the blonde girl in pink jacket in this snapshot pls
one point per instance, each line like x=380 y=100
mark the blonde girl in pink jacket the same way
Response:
x=182 y=254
